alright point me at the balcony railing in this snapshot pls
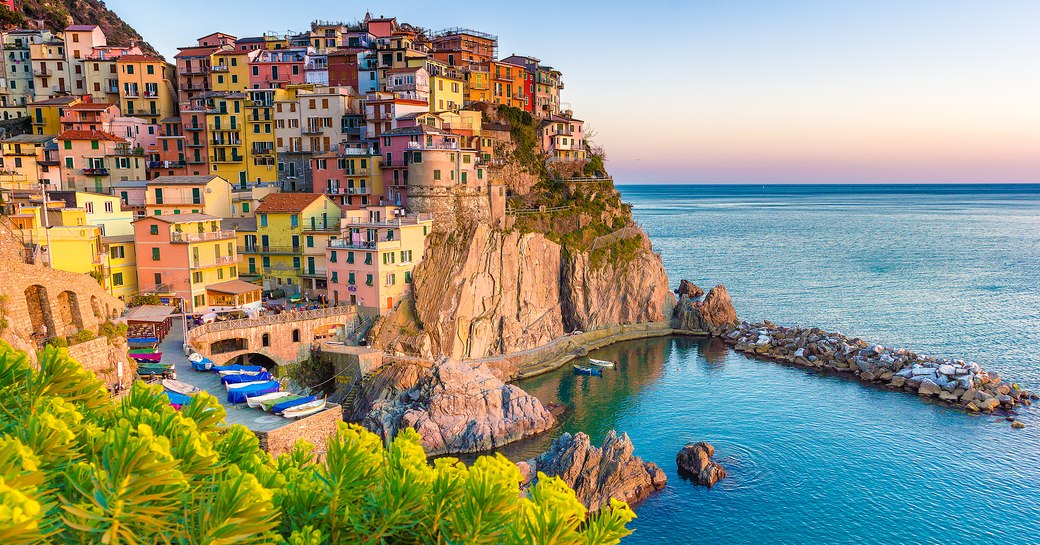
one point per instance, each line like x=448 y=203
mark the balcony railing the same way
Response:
x=165 y=164
x=95 y=171
x=434 y=145
x=259 y=249
x=411 y=219
x=151 y=94
x=315 y=272
x=185 y=238
x=225 y=142
x=380 y=243
x=130 y=93
x=220 y=68
x=224 y=129
x=216 y=262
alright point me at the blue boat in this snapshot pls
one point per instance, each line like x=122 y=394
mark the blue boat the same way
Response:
x=205 y=364
x=580 y=370
x=238 y=379
x=277 y=409
x=242 y=368
x=240 y=395
x=177 y=399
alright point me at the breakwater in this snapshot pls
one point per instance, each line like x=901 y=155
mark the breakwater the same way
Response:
x=957 y=382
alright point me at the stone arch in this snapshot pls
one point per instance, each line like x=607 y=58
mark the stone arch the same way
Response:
x=39 y=309
x=224 y=346
x=95 y=305
x=258 y=358
x=296 y=335
x=70 y=319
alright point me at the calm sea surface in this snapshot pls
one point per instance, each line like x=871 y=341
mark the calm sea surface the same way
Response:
x=946 y=270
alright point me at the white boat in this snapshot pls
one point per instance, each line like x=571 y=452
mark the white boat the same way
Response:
x=306 y=409
x=244 y=384
x=601 y=363
x=237 y=372
x=256 y=402
x=180 y=387
x=195 y=357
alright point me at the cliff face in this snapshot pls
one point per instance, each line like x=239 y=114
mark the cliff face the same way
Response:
x=487 y=292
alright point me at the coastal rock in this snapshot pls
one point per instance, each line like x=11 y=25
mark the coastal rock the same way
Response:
x=460 y=407
x=695 y=460
x=710 y=314
x=597 y=474
x=929 y=388
x=689 y=288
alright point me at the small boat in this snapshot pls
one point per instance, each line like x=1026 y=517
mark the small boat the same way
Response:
x=239 y=379
x=205 y=364
x=246 y=368
x=143 y=351
x=306 y=409
x=581 y=370
x=601 y=363
x=152 y=357
x=244 y=384
x=180 y=387
x=258 y=401
x=269 y=404
x=279 y=408
x=252 y=389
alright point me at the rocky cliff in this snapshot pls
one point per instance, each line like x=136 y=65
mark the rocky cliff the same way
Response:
x=56 y=15
x=597 y=474
x=486 y=291
x=460 y=407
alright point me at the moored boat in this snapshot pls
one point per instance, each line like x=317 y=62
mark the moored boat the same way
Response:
x=582 y=370
x=258 y=401
x=601 y=363
x=305 y=409
x=180 y=387
x=269 y=404
x=151 y=357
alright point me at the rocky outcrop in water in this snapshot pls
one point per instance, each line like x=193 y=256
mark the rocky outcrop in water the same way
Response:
x=688 y=288
x=956 y=382
x=711 y=314
x=597 y=474
x=484 y=292
x=460 y=407
x=695 y=461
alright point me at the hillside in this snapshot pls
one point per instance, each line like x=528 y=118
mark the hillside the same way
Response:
x=58 y=14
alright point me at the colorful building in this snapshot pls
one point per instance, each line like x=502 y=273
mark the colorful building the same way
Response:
x=92 y=160
x=47 y=114
x=63 y=238
x=25 y=162
x=173 y=195
x=293 y=231
x=461 y=46
x=562 y=137
x=371 y=264
x=351 y=176
x=447 y=93
x=146 y=87
x=179 y=256
x=119 y=267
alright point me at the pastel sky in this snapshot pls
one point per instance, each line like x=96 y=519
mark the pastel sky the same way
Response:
x=740 y=91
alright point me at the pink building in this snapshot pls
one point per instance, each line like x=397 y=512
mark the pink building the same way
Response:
x=350 y=176
x=382 y=111
x=562 y=137
x=398 y=148
x=277 y=68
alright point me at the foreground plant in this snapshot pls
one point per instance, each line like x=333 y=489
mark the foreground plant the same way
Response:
x=76 y=467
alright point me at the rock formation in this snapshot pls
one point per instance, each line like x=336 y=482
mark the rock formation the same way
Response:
x=689 y=288
x=460 y=407
x=597 y=474
x=710 y=314
x=953 y=381
x=486 y=292
x=695 y=460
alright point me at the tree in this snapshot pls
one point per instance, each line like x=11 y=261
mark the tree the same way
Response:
x=77 y=467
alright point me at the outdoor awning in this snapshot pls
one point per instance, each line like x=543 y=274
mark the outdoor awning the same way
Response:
x=233 y=287
x=149 y=313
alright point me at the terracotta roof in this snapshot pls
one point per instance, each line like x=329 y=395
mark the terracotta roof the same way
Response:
x=234 y=287
x=286 y=202
x=89 y=135
x=91 y=106
x=203 y=51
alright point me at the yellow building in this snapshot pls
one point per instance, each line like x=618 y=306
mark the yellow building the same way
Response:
x=65 y=240
x=120 y=265
x=102 y=211
x=294 y=229
x=25 y=162
x=46 y=114
x=241 y=136
x=246 y=237
x=229 y=70
x=446 y=93
x=173 y=195
x=146 y=87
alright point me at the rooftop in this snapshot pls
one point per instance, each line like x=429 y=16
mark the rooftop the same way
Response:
x=28 y=139
x=149 y=313
x=286 y=202
x=89 y=135
x=238 y=224
x=234 y=287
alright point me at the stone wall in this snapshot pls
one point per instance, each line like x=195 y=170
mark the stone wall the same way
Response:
x=102 y=357
x=315 y=429
x=458 y=207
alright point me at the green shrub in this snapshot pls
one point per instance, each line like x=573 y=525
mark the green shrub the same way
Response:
x=112 y=330
x=58 y=342
x=144 y=299
x=78 y=467
x=82 y=336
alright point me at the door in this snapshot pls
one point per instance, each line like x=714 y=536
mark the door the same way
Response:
x=310 y=265
x=264 y=243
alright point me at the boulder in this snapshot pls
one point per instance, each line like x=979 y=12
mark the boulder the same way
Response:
x=714 y=311
x=597 y=474
x=689 y=288
x=460 y=407
x=929 y=388
x=695 y=460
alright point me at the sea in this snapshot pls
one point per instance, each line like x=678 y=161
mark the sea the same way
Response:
x=948 y=270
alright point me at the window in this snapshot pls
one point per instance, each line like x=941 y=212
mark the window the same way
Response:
x=196 y=277
x=155 y=254
x=350 y=278
x=153 y=229
x=294 y=221
x=220 y=274
x=68 y=144
x=117 y=279
x=436 y=174
x=117 y=252
x=108 y=207
x=350 y=257
x=310 y=241
x=89 y=207
x=263 y=220
x=332 y=256
x=368 y=280
x=335 y=277
x=265 y=339
x=391 y=279
x=157 y=278
x=296 y=335
x=408 y=277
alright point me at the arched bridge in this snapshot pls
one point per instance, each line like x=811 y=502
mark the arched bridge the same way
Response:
x=279 y=338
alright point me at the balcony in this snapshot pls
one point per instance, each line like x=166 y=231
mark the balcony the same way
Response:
x=43 y=73
x=312 y=273
x=187 y=238
x=215 y=128
x=321 y=228
x=194 y=127
x=220 y=68
x=229 y=142
x=95 y=172
x=288 y=250
x=165 y=164
x=151 y=94
x=333 y=190
x=357 y=151
x=379 y=244
x=216 y=262
x=130 y=93
x=357 y=191
x=434 y=145
x=311 y=130
x=232 y=159
x=411 y=219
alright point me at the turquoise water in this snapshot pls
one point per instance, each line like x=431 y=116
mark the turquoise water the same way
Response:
x=947 y=270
